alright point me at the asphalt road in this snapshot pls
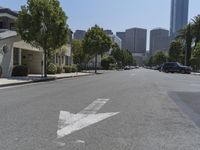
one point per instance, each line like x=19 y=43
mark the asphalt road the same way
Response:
x=151 y=111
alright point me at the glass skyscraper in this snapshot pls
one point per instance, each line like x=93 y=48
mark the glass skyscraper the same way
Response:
x=179 y=16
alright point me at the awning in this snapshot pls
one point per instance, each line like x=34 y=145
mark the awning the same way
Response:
x=25 y=46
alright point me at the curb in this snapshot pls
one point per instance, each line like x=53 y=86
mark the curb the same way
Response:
x=42 y=80
x=57 y=78
x=196 y=74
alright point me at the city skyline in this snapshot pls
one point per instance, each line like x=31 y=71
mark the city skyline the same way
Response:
x=116 y=14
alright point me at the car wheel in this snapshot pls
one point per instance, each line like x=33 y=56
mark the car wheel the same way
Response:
x=183 y=71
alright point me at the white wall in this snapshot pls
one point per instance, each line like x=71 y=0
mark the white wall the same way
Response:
x=6 y=60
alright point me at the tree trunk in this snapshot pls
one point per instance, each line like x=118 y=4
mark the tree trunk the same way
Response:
x=45 y=63
x=96 y=55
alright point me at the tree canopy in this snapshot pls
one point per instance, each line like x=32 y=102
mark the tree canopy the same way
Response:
x=175 y=51
x=160 y=57
x=42 y=23
x=96 y=42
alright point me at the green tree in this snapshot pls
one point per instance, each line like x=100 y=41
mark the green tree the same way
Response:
x=175 y=51
x=159 y=58
x=127 y=58
x=195 y=61
x=107 y=61
x=185 y=34
x=77 y=49
x=42 y=23
x=117 y=54
x=196 y=29
x=96 y=42
x=196 y=51
x=151 y=61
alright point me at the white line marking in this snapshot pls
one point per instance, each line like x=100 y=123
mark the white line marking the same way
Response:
x=69 y=123
x=80 y=141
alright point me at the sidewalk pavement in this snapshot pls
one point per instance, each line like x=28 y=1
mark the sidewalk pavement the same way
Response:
x=195 y=73
x=37 y=78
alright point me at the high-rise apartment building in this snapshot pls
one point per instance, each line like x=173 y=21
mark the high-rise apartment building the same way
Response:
x=159 y=40
x=179 y=16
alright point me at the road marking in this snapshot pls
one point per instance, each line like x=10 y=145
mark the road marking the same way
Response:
x=80 y=142
x=69 y=123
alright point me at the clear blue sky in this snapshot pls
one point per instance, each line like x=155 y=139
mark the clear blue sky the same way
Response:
x=117 y=15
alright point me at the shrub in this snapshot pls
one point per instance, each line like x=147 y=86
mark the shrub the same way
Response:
x=113 y=66
x=195 y=63
x=52 y=69
x=67 y=69
x=20 y=70
x=74 y=68
x=106 y=61
x=59 y=69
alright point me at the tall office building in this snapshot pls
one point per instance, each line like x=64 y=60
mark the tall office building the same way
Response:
x=79 y=34
x=179 y=16
x=136 y=39
x=122 y=36
x=159 y=40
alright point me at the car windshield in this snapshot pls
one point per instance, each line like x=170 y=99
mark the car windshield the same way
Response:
x=99 y=75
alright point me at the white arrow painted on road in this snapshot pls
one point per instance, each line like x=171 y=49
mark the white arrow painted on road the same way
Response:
x=69 y=123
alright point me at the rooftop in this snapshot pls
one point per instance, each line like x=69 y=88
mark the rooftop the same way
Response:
x=8 y=11
x=7 y=34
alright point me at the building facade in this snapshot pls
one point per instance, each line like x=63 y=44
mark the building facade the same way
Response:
x=108 y=32
x=159 y=40
x=79 y=34
x=179 y=16
x=122 y=36
x=136 y=39
x=115 y=39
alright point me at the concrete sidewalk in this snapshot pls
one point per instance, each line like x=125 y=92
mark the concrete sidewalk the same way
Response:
x=195 y=73
x=37 y=78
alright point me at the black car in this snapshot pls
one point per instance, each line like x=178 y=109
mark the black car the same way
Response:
x=176 y=67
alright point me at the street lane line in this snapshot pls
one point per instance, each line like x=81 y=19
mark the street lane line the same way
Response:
x=69 y=123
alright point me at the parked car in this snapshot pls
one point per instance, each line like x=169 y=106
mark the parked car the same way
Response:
x=176 y=67
x=127 y=68
x=160 y=67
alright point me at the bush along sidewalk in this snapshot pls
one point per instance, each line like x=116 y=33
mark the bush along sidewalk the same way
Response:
x=70 y=68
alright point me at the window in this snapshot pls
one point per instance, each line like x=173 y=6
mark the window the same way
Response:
x=16 y=56
x=1 y=25
x=12 y=27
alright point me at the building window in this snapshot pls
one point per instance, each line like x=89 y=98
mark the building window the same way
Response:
x=12 y=27
x=66 y=60
x=1 y=25
x=16 y=56
x=63 y=59
x=56 y=58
